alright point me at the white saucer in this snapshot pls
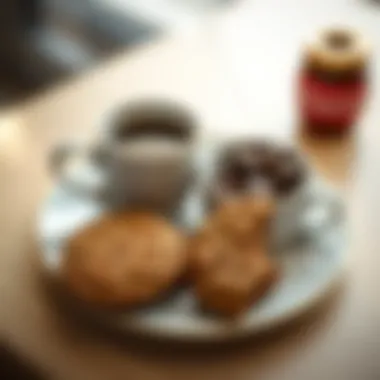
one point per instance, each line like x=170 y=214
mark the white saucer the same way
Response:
x=309 y=270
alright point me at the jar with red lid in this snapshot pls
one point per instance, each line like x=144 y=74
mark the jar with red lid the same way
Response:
x=333 y=82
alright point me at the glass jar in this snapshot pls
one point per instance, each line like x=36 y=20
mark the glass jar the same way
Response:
x=333 y=82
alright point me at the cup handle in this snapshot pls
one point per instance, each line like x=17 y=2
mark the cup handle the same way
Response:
x=325 y=209
x=60 y=156
x=89 y=179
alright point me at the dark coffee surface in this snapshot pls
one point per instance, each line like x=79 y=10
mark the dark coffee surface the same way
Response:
x=153 y=120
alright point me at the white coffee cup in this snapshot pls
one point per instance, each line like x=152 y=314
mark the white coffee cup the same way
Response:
x=143 y=156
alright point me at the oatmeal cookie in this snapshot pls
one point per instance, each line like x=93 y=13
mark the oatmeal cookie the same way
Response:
x=124 y=259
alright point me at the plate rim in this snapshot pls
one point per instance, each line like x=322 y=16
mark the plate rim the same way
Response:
x=132 y=325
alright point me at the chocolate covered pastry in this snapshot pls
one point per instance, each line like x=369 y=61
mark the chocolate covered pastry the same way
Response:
x=245 y=166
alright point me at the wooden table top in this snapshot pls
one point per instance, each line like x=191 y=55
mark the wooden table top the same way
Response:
x=237 y=73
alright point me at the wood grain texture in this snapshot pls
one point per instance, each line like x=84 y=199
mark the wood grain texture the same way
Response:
x=237 y=73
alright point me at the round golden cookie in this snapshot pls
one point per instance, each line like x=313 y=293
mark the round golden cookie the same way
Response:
x=124 y=259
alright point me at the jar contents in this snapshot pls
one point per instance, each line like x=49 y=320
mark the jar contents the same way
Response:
x=333 y=82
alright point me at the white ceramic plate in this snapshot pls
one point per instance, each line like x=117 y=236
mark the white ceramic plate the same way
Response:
x=309 y=270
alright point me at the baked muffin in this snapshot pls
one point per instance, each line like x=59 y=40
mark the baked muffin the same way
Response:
x=235 y=281
x=124 y=259
x=228 y=259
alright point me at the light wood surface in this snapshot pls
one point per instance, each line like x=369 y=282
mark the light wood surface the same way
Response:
x=237 y=73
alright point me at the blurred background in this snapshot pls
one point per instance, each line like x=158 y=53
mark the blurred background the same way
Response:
x=43 y=41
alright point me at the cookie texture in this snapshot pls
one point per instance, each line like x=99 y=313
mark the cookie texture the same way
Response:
x=124 y=259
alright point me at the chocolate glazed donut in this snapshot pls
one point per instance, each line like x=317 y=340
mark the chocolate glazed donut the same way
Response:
x=246 y=167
